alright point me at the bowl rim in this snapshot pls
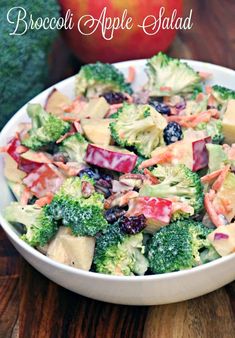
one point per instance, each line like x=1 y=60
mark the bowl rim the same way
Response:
x=7 y=227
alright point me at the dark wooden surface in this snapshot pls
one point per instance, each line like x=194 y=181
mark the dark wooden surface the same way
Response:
x=31 y=306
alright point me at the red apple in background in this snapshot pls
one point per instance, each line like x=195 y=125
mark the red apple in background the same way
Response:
x=125 y=44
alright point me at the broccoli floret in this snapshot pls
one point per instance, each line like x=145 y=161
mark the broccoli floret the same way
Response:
x=214 y=129
x=39 y=225
x=178 y=181
x=99 y=78
x=140 y=127
x=84 y=215
x=75 y=146
x=114 y=115
x=168 y=76
x=196 y=91
x=178 y=246
x=222 y=94
x=24 y=58
x=46 y=128
x=117 y=253
x=72 y=187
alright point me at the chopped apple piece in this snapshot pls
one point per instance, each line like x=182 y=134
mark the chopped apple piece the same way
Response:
x=226 y=197
x=56 y=102
x=11 y=171
x=96 y=108
x=23 y=164
x=191 y=152
x=223 y=239
x=229 y=122
x=37 y=157
x=47 y=178
x=97 y=130
x=112 y=158
x=72 y=250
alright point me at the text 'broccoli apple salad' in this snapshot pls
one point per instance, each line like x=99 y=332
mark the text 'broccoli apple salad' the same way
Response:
x=127 y=183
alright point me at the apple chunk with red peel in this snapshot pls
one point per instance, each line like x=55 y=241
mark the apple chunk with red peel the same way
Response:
x=25 y=165
x=45 y=179
x=111 y=158
x=200 y=154
x=157 y=211
x=191 y=152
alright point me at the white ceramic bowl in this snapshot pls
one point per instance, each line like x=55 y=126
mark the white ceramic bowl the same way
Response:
x=144 y=290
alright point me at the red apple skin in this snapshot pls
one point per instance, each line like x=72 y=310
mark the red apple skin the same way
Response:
x=23 y=164
x=43 y=180
x=109 y=159
x=126 y=44
x=156 y=210
x=200 y=154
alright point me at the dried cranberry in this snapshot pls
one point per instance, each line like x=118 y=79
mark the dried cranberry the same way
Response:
x=159 y=106
x=132 y=225
x=172 y=133
x=113 y=214
x=114 y=97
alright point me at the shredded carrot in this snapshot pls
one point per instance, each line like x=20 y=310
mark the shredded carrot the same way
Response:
x=190 y=121
x=44 y=200
x=200 y=97
x=209 y=177
x=226 y=204
x=21 y=149
x=113 y=109
x=71 y=118
x=220 y=180
x=208 y=89
x=161 y=158
x=211 y=211
x=17 y=135
x=75 y=106
x=131 y=74
x=69 y=168
x=204 y=75
x=153 y=179
x=182 y=206
x=44 y=158
x=62 y=138
x=211 y=101
x=3 y=149
x=163 y=89
x=25 y=196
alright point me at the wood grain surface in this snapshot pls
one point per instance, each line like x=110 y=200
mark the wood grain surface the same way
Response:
x=31 y=306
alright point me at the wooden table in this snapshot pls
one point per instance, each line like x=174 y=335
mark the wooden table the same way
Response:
x=32 y=306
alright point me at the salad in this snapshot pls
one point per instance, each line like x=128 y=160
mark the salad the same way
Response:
x=127 y=183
